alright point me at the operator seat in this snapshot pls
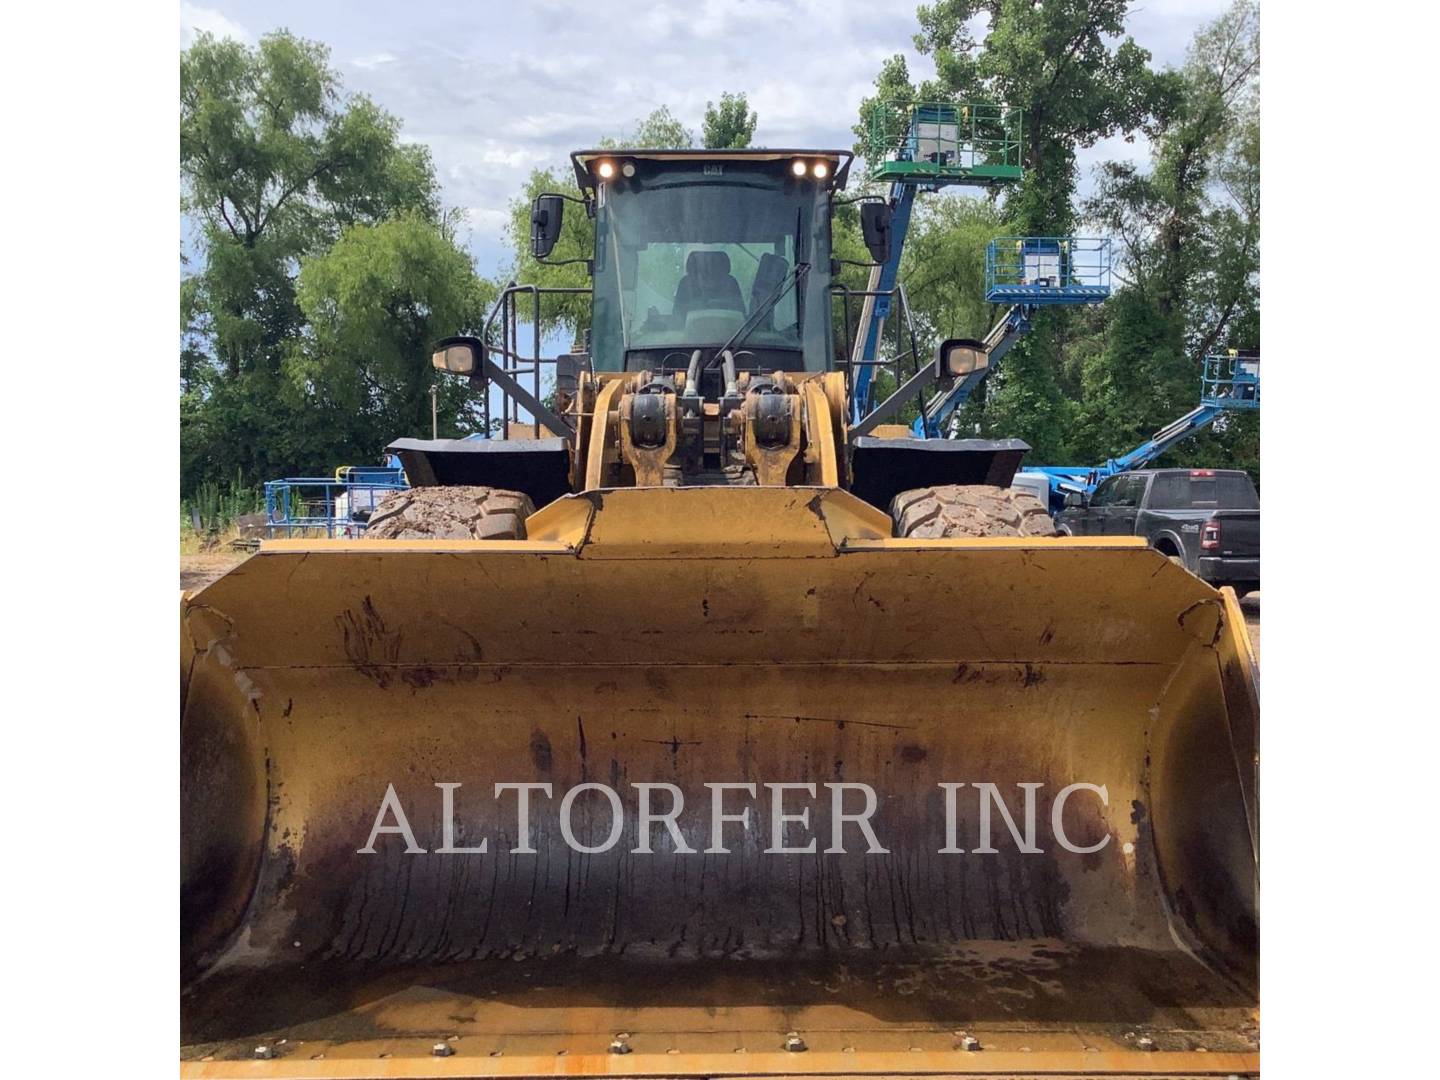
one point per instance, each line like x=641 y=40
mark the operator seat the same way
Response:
x=707 y=284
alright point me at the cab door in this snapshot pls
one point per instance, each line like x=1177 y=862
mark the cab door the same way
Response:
x=1091 y=520
x=1124 y=507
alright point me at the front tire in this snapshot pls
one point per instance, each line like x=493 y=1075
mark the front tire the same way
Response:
x=969 y=510
x=451 y=513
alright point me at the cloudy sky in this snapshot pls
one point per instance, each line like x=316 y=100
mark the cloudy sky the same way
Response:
x=498 y=87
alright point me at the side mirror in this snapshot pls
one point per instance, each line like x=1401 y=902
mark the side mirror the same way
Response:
x=875 y=222
x=459 y=356
x=1075 y=501
x=546 y=215
x=961 y=356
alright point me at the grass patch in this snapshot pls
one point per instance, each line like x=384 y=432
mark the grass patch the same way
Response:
x=208 y=516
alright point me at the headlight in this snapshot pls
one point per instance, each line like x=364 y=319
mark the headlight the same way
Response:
x=820 y=170
x=798 y=168
x=605 y=170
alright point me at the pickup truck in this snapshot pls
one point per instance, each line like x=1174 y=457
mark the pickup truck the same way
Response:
x=1207 y=520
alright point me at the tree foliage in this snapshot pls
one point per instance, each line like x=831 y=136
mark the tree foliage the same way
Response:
x=1066 y=64
x=658 y=131
x=375 y=302
x=1190 y=229
x=943 y=266
x=276 y=163
x=730 y=124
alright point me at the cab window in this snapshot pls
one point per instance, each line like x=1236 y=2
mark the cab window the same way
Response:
x=1105 y=493
x=1129 y=491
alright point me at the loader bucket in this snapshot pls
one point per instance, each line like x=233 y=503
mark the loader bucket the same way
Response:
x=700 y=637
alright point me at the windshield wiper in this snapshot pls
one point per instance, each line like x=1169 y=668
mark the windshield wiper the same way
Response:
x=793 y=277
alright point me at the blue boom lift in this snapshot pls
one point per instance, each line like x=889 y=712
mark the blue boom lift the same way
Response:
x=1229 y=383
x=925 y=147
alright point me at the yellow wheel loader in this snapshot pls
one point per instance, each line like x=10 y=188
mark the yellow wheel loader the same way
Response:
x=703 y=723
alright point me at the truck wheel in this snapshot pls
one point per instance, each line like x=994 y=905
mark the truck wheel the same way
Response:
x=958 y=510
x=451 y=513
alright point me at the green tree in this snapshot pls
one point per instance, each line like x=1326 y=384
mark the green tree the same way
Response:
x=1077 y=78
x=729 y=125
x=943 y=267
x=1067 y=64
x=1190 y=229
x=375 y=302
x=658 y=131
x=275 y=161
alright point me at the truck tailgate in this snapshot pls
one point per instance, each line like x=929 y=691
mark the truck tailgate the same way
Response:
x=1239 y=533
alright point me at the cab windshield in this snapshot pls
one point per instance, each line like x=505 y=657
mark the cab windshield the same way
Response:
x=683 y=259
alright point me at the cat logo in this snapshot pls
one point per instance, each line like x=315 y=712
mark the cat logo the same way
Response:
x=714 y=169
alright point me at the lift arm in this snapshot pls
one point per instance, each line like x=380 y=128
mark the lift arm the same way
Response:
x=1229 y=383
x=1083 y=480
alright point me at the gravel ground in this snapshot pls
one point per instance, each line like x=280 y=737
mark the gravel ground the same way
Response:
x=197 y=571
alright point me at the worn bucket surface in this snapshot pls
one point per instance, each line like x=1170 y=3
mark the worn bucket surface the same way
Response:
x=695 y=637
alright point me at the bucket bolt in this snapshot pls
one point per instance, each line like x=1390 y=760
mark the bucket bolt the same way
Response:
x=794 y=1043
x=967 y=1042
x=620 y=1044
x=441 y=1049
x=1145 y=1042
x=264 y=1053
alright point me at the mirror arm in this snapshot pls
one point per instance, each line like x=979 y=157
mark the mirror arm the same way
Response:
x=589 y=263
x=853 y=199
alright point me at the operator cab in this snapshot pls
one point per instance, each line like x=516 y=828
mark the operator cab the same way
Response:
x=708 y=251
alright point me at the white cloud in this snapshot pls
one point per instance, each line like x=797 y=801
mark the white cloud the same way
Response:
x=498 y=90
x=194 y=19
x=374 y=60
x=487 y=221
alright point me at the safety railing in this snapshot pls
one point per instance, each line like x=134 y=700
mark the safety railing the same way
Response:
x=912 y=373
x=1039 y=270
x=331 y=507
x=1231 y=381
x=939 y=142
x=509 y=369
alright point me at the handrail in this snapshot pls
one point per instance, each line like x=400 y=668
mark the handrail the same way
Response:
x=335 y=511
x=515 y=365
x=922 y=372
